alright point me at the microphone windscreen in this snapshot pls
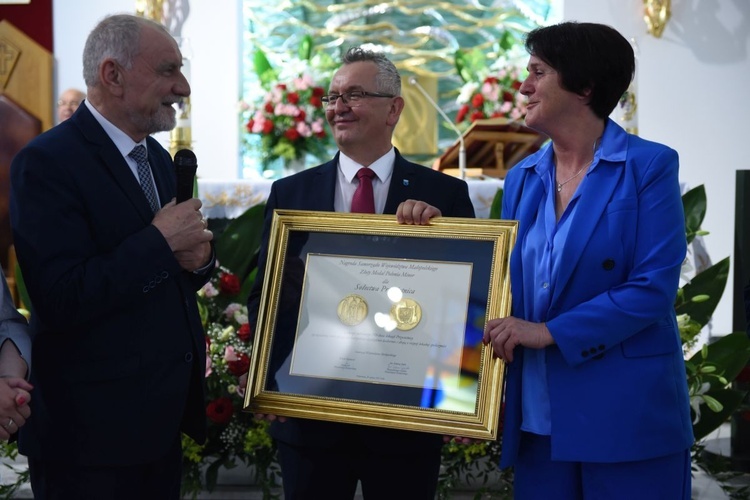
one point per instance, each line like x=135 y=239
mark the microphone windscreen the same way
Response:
x=185 y=165
x=185 y=157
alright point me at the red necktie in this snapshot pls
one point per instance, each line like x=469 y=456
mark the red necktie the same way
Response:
x=363 y=200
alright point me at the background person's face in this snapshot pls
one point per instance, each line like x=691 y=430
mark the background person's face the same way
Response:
x=68 y=103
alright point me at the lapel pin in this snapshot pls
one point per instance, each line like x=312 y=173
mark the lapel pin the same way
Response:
x=406 y=182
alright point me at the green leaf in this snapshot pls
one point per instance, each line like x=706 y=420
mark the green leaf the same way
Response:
x=710 y=282
x=729 y=353
x=469 y=64
x=507 y=40
x=712 y=403
x=263 y=68
x=694 y=205
x=305 y=48
x=729 y=399
x=497 y=205
x=23 y=292
x=239 y=242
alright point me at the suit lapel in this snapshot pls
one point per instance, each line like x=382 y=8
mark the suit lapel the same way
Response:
x=323 y=188
x=528 y=205
x=403 y=183
x=113 y=161
x=602 y=182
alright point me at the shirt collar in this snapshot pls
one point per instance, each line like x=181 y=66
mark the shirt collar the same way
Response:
x=383 y=166
x=122 y=141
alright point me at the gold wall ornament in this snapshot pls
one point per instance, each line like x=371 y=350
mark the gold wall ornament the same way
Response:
x=150 y=9
x=656 y=13
x=417 y=129
x=181 y=136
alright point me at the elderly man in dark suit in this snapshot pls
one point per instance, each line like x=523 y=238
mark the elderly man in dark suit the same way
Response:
x=112 y=265
x=323 y=459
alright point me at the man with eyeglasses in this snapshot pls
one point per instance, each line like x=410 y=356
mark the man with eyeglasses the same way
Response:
x=68 y=103
x=326 y=459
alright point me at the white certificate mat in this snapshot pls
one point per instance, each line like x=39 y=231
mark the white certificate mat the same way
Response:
x=387 y=321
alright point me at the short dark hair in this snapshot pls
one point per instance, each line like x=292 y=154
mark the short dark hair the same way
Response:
x=587 y=56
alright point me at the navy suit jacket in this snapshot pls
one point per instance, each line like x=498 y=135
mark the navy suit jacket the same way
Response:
x=616 y=375
x=313 y=189
x=118 y=347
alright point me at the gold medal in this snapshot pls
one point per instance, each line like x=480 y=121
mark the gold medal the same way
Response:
x=352 y=310
x=406 y=313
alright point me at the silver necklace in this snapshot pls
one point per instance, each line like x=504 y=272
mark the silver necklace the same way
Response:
x=561 y=184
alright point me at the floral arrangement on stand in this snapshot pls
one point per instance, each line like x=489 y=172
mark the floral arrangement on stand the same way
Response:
x=234 y=436
x=497 y=96
x=287 y=122
x=290 y=120
x=489 y=90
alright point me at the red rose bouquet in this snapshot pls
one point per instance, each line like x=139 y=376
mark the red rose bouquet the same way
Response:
x=497 y=96
x=290 y=120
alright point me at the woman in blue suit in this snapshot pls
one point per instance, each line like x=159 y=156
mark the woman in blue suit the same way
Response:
x=596 y=396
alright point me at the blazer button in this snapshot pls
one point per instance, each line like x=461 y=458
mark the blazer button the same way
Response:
x=601 y=347
x=146 y=289
x=585 y=354
x=608 y=264
x=593 y=350
x=189 y=357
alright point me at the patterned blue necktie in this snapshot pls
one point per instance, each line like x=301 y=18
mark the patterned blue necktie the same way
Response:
x=144 y=176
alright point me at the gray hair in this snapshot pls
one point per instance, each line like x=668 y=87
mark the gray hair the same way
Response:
x=116 y=37
x=388 y=79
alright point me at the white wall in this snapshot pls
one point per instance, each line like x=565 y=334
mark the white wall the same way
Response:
x=692 y=89
x=213 y=29
x=692 y=92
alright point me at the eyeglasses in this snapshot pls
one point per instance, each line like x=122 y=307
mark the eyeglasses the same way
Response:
x=352 y=98
x=75 y=104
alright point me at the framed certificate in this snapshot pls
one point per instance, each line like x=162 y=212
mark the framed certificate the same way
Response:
x=367 y=321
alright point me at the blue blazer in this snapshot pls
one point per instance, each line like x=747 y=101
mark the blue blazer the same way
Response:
x=118 y=347
x=616 y=375
x=314 y=189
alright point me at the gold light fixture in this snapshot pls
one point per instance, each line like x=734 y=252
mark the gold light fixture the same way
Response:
x=150 y=9
x=656 y=13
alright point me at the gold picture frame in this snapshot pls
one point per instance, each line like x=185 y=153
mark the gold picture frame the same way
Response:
x=366 y=321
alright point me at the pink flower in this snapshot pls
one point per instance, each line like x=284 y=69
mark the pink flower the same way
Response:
x=209 y=290
x=231 y=309
x=242 y=385
x=208 y=357
x=230 y=354
x=317 y=126
x=304 y=129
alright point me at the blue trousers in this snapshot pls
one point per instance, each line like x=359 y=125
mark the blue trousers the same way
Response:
x=538 y=477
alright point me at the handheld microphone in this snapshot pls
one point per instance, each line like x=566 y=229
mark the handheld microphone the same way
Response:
x=461 y=148
x=185 y=165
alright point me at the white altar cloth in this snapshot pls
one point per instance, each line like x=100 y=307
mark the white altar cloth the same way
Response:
x=230 y=198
